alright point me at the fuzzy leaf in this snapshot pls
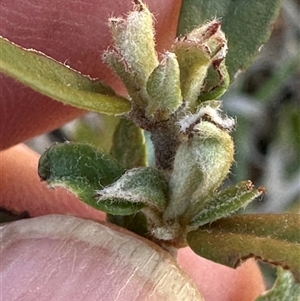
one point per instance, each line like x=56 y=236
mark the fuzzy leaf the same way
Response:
x=82 y=169
x=284 y=289
x=145 y=186
x=272 y=238
x=247 y=25
x=117 y=63
x=193 y=62
x=163 y=87
x=95 y=129
x=129 y=146
x=134 y=40
x=226 y=202
x=58 y=81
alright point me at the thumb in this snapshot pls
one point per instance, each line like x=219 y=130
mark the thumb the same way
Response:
x=66 y=258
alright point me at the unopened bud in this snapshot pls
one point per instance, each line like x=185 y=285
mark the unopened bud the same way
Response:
x=202 y=48
x=134 y=41
x=201 y=164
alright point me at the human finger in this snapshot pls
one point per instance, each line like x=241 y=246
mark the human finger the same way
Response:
x=74 y=33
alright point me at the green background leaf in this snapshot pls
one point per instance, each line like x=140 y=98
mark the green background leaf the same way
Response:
x=128 y=145
x=58 y=81
x=247 y=25
x=273 y=238
x=95 y=129
x=226 y=202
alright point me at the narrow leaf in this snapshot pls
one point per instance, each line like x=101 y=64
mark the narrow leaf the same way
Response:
x=80 y=168
x=117 y=63
x=163 y=87
x=284 y=289
x=58 y=81
x=226 y=202
x=194 y=62
x=144 y=185
x=274 y=239
x=128 y=145
x=247 y=25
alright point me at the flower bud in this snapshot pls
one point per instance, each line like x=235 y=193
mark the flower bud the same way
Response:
x=134 y=41
x=201 y=164
x=204 y=47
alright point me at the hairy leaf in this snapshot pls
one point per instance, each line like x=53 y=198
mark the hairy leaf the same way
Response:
x=163 y=86
x=273 y=238
x=226 y=202
x=83 y=169
x=58 y=81
x=134 y=41
x=144 y=185
x=284 y=289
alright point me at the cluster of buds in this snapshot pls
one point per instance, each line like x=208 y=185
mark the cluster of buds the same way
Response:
x=191 y=72
x=177 y=96
x=174 y=98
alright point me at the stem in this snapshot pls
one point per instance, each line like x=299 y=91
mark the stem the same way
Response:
x=165 y=136
x=166 y=140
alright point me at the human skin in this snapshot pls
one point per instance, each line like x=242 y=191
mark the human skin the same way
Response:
x=76 y=33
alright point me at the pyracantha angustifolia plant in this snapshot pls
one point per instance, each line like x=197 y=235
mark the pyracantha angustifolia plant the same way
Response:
x=173 y=97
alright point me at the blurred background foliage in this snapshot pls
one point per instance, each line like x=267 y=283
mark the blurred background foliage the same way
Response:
x=266 y=101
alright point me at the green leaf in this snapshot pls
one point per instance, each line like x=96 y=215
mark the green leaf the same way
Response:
x=145 y=186
x=60 y=82
x=247 y=25
x=163 y=86
x=136 y=223
x=95 y=129
x=272 y=238
x=215 y=84
x=193 y=63
x=284 y=289
x=128 y=145
x=226 y=202
x=80 y=168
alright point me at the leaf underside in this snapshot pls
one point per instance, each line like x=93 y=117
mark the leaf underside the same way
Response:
x=274 y=239
x=58 y=81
